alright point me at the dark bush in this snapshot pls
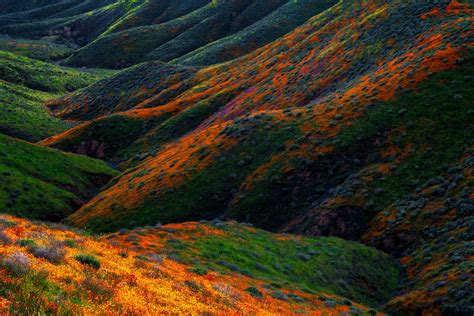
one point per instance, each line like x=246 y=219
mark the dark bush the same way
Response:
x=89 y=260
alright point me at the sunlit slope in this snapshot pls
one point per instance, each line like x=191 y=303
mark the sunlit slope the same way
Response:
x=187 y=268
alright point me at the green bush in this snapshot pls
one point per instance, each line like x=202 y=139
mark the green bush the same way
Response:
x=89 y=260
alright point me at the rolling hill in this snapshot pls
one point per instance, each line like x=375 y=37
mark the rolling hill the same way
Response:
x=252 y=157
x=265 y=137
x=188 y=32
x=25 y=84
x=38 y=182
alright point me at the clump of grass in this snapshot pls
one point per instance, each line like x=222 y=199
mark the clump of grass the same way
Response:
x=89 y=260
x=198 y=270
x=252 y=290
x=29 y=243
x=71 y=243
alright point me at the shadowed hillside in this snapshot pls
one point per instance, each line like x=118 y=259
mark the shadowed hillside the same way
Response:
x=128 y=32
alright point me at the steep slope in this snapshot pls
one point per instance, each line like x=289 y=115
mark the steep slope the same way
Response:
x=261 y=138
x=128 y=32
x=25 y=85
x=186 y=268
x=430 y=229
x=46 y=184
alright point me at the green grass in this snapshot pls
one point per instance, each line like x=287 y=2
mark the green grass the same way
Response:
x=42 y=183
x=42 y=76
x=197 y=33
x=23 y=114
x=89 y=260
x=313 y=265
x=25 y=86
x=198 y=198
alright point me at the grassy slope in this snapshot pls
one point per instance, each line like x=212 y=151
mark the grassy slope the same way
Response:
x=121 y=92
x=418 y=135
x=42 y=183
x=189 y=268
x=270 y=27
x=25 y=86
x=66 y=22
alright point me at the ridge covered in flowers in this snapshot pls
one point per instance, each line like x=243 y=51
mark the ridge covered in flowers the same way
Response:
x=190 y=268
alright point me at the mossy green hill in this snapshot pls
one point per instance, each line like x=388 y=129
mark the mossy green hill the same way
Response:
x=46 y=184
x=25 y=86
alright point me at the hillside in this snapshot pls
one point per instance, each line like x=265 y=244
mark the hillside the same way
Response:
x=190 y=32
x=46 y=184
x=246 y=139
x=38 y=182
x=25 y=84
x=50 y=269
x=262 y=157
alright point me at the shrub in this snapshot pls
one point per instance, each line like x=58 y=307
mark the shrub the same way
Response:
x=89 y=260
x=17 y=263
x=252 y=290
x=198 y=270
x=26 y=243
x=71 y=243
x=54 y=252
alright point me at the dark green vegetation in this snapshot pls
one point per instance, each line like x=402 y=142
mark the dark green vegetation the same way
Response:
x=42 y=183
x=128 y=32
x=36 y=49
x=88 y=260
x=259 y=138
x=312 y=265
x=435 y=122
x=358 y=124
